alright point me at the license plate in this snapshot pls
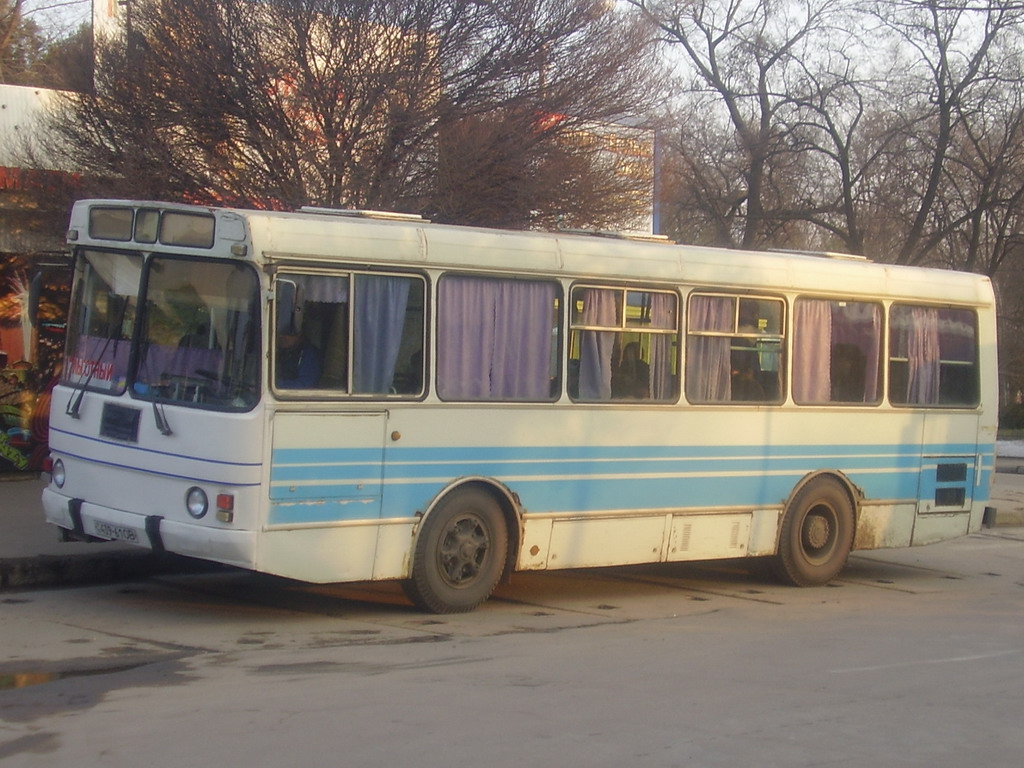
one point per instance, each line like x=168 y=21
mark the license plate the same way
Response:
x=116 y=532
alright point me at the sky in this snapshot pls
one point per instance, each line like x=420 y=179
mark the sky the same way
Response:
x=59 y=17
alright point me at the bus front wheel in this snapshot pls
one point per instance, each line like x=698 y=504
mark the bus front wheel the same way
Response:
x=460 y=553
x=817 y=534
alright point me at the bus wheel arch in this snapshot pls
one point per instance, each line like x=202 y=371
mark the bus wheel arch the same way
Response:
x=817 y=531
x=465 y=544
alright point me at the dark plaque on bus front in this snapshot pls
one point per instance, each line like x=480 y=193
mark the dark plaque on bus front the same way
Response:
x=120 y=423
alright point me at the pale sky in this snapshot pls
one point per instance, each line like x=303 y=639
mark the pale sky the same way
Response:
x=58 y=17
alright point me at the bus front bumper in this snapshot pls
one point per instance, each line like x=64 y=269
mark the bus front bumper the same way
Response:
x=91 y=521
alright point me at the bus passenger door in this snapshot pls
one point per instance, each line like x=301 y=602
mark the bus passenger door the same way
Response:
x=326 y=467
x=948 y=476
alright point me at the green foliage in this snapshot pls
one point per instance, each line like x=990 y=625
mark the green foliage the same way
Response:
x=21 y=44
x=32 y=55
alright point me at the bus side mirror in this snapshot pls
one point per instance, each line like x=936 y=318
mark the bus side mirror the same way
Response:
x=35 y=289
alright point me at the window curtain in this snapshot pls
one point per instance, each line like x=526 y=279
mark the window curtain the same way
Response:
x=812 y=351
x=523 y=335
x=662 y=316
x=923 y=356
x=323 y=289
x=600 y=308
x=494 y=339
x=379 y=322
x=708 y=359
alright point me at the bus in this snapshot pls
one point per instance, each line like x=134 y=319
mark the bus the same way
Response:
x=339 y=396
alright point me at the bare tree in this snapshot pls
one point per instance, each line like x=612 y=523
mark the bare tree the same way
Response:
x=745 y=59
x=505 y=170
x=348 y=104
x=955 y=52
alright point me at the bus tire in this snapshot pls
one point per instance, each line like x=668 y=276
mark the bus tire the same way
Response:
x=817 y=534
x=460 y=553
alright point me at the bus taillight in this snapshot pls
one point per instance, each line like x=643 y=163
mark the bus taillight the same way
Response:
x=225 y=507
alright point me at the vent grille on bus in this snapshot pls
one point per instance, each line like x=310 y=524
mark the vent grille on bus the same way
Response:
x=362 y=214
x=614 y=235
x=827 y=255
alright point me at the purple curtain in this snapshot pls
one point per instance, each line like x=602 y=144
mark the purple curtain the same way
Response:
x=923 y=356
x=495 y=339
x=662 y=316
x=708 y=358
x=524 y=324
x=379 y=322
x=161 y=361
x=600 y=308
x=812 y=351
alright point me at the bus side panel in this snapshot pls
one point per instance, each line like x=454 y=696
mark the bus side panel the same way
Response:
x=883 y=526
x=326 y=468
x=948 y=482
x=325 y=496
x=320 y=555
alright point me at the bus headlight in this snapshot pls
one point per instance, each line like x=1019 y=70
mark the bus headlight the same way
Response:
x=196 y=502
x=57 y=474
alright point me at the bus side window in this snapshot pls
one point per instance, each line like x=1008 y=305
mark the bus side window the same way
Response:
x=933 y=356
x=495 y=340
x=360 y=334
x=311 y=344
x=734 y=349
x=624 y=345
x=846 y=334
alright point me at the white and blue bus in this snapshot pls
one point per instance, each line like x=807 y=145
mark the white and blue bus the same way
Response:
x=340 y=396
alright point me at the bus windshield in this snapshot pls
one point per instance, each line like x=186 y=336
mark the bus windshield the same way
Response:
x=102 y=319
x=199 y=335
x=196 y=327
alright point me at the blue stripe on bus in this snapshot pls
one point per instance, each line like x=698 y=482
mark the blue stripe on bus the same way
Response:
x=311 y=485
x=446 y=455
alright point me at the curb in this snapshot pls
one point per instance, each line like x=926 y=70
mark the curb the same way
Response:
x=81 y=570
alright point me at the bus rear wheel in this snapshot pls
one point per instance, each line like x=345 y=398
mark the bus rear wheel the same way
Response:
x=817 y=534
x=460 y=553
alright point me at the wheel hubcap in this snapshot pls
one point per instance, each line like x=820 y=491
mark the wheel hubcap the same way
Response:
x=818 y=533
x=463 y=550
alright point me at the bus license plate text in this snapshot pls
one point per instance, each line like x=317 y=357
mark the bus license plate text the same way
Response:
x=116 y=532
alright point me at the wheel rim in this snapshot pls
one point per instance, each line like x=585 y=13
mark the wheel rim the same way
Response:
x=463 y=550
x=819 y=533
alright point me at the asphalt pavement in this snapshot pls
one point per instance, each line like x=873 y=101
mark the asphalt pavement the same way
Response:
x=32 y=553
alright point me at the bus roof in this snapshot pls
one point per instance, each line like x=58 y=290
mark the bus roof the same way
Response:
x=369 y=238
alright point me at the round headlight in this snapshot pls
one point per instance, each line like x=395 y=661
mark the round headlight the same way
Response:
x=196 y=502
x=58 y=474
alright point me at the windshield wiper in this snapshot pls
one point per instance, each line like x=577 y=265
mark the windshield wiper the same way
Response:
x=75 y=401
x=161 y=420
